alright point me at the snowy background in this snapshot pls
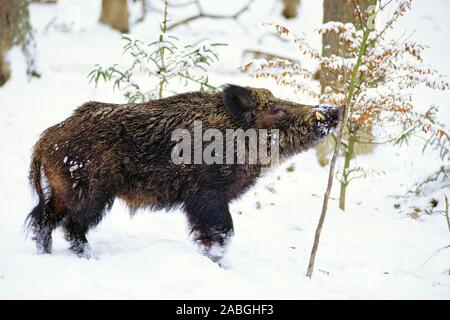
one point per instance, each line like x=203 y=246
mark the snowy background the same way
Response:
x=373 y=250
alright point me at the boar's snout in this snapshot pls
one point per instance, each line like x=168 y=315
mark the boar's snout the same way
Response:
x=329 y=114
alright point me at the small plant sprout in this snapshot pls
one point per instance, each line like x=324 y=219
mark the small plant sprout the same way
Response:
x=161 y=62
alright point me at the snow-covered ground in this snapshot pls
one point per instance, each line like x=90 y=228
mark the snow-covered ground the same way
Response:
x=373 y=250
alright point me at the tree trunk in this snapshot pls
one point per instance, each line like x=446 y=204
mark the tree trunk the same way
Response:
x=341 y=11
x=6 y=39
x=115 y=14
x=290 y=8
x=5 y=71
x=15 y=29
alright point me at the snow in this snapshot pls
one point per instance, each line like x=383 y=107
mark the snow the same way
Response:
x=371 y=251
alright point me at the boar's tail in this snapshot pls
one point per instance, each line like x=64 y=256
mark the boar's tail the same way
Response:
x=36 y=183
x=36 y=176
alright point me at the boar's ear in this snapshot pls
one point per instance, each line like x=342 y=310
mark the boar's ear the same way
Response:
x=240 y=101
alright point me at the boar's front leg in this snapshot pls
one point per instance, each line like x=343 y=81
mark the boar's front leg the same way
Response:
x=210 y=222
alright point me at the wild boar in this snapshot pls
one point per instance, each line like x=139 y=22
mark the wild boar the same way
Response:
x=104 y=151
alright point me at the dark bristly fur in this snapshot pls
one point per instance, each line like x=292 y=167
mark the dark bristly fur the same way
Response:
x=104 y=151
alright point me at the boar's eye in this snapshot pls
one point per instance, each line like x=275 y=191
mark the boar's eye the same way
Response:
x=276 y=111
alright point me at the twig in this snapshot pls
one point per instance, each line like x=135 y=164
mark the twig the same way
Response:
x=385 y=5
x=181 y=5
x=49 y=24
x=202 y=14
x=143 y=11
x=435 y=253
x=268 y=55
x=446 y=211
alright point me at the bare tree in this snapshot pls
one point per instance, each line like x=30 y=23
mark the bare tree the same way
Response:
x=115 y=14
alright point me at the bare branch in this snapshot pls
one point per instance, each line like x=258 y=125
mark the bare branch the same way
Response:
x=446 y=212
x=201 y=14
x=180 y=5
x=258 y=54
x=435 y=253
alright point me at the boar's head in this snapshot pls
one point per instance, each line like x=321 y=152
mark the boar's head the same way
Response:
x=300 y=126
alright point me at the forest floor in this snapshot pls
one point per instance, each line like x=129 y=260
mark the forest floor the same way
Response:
x=374 y=250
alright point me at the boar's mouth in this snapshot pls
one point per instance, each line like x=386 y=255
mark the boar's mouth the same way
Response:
x=326 y=119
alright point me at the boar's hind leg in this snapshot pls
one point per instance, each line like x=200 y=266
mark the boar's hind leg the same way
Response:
x=87 y=213
x=43 y=219
x=210 y=222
